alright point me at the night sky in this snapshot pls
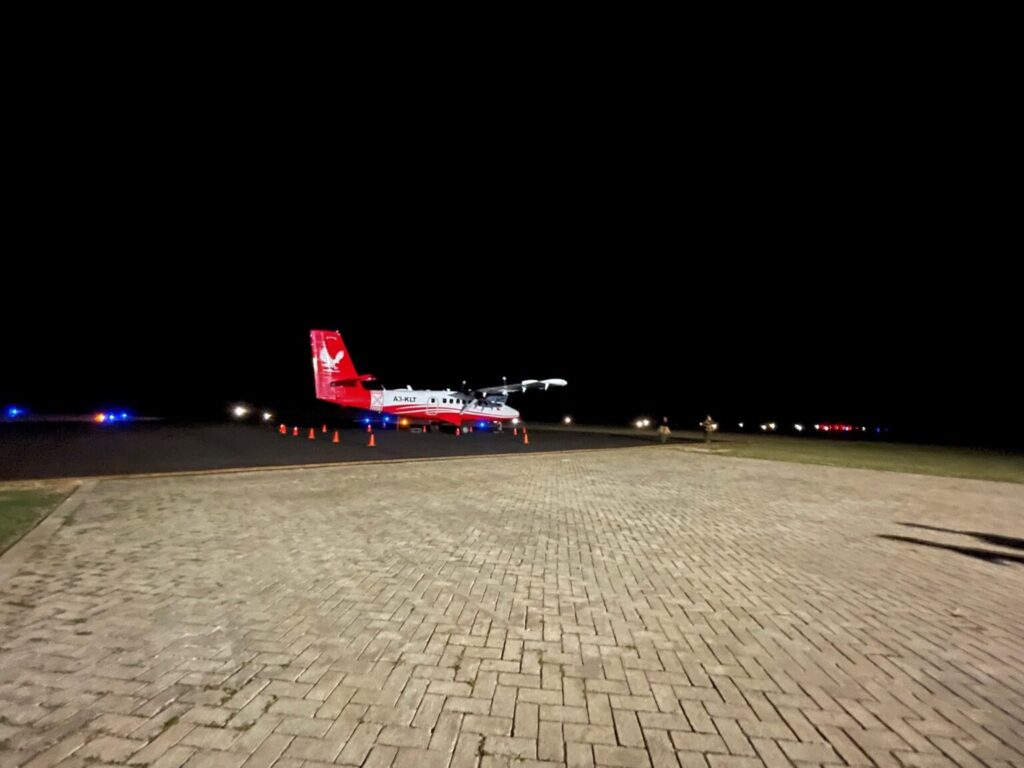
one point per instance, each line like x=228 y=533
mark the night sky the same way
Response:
x=811 y=270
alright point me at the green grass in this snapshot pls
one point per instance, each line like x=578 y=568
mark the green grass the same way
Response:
x=21 y=509
x=976 y=463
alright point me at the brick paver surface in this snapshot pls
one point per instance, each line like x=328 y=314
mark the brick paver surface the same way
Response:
x=642 y=608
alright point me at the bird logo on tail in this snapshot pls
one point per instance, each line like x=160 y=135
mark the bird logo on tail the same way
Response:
x=330 y=363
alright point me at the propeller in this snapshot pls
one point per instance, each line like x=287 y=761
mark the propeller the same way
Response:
x=469 y=401
x=474 y=398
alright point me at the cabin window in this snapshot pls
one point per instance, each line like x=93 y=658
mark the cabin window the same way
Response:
x=433 y=400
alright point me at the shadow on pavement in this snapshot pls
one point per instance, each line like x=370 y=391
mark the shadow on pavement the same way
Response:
x=989 y=538
x=998 y=558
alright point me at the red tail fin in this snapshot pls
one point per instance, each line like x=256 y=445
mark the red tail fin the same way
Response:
x=335 y=375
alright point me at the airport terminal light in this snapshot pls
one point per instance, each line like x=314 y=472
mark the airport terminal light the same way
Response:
x=268 y=416
x=798 y=427
x=240 y=411
x=567 y=420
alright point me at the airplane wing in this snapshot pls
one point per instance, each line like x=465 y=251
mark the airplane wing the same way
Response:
x=521 y=386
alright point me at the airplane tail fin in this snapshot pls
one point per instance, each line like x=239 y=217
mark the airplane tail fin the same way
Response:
x=333 y=372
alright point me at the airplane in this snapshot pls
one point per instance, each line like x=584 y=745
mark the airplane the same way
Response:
x=338 y=382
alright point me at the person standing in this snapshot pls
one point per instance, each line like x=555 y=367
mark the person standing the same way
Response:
x=709 y=426
x=663 y=430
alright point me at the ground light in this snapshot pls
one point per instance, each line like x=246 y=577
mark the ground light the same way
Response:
x=111 y=417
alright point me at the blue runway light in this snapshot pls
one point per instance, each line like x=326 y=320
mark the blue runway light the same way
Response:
x=366 y=421
x=124 y=416
x=13 y=412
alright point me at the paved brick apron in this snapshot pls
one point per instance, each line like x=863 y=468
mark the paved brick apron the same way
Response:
x=639 y=607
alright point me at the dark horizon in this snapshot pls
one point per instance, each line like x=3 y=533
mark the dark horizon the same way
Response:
x=626 y=352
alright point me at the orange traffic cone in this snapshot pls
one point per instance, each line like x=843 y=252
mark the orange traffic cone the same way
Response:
x=295 y=432
x=526 y=437
x=335 y=439
x=311 y=435
x=282 y=429
x=373 y=441
x=324 y=429
x=369 y=428
x=458 y=432
x=515 y=431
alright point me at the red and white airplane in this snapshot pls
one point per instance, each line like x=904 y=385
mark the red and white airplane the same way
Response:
x=337 y=382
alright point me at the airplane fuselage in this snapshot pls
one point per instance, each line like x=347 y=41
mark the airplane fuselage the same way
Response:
x=438 y=405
